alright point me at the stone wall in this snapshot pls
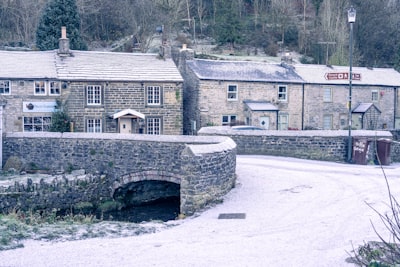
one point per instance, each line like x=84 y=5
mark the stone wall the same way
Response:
x=315 y=145
x=203 y=166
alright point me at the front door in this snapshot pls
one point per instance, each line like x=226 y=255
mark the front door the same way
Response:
x=125 y=125
x=264 y=122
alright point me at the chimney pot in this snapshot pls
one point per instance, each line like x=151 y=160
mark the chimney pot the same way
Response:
x=63 y=32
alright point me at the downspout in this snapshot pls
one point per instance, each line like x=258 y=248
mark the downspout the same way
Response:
x=302 y=108
x=395 y=96
x=277 y=119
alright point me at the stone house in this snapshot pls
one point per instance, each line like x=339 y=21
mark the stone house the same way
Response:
x=100 y=91
x=282 y=96
x=375 y=97
x=237 y=92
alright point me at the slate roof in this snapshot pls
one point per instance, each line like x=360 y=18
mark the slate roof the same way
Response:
x=109 y=66
x=316 y=74
x=250 y=71
x=87 y=66
x=17 y=65
x=364 y=107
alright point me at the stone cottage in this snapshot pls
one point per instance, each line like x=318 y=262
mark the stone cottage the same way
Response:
x=100 y=91
x=375 y=97
x=284 y=96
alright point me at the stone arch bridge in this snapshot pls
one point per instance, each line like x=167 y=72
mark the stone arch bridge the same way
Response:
x=203 y=167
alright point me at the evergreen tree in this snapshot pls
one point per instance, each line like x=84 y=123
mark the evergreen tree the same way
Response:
x=56 y=14
x=60 y=121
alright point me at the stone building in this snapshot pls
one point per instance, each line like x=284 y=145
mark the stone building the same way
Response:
x=100 y=91
x=375 y=97
x=282 y=96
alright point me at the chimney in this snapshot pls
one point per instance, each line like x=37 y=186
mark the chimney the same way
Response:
x=63 y=43
x=185 y=54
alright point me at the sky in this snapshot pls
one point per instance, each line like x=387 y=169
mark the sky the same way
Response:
x=296 y=213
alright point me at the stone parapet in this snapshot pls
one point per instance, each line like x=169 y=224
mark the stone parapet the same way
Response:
x=204 y=166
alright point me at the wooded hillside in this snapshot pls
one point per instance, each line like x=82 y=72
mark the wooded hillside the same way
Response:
x=317 y=29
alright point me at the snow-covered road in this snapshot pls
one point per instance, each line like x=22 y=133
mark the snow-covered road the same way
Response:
x=298 y=213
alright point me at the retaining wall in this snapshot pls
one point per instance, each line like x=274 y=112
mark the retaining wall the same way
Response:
x=315 y=145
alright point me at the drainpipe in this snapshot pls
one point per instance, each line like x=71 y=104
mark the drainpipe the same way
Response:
x=395 y=92
x=302 y=108
x=2 y=104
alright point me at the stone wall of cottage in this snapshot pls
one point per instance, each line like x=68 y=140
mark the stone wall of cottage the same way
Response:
x=214 y=103
x=117 y=96
x=315 y=108
x=315 y=145
x=203 y=166
x=22 y=91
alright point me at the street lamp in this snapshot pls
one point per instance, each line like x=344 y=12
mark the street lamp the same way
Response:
x=351 y=16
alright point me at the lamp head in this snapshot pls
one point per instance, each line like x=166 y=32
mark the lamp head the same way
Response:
x=351 y=15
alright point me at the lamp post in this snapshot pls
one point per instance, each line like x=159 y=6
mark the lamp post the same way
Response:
x=351 y=16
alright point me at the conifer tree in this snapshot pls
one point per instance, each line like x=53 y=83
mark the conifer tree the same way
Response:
x=56 y=14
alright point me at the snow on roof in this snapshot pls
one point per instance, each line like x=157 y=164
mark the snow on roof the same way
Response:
x=110 y=66
x=322 y=74
x=243 y=71
x=18 y=64
x=261 y=106
x=87 y=66
x=364 y=107
x=126 y=112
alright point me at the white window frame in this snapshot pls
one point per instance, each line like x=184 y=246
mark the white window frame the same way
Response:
x=94 y=125
x=153 y=125
x=154 y=95
x=5 y=87
x=283 y=96
x=93 y=95
x=54 y=88
x=374 y=95
x=327 y=119
x=228 y=119
x=39 y=87
x=327 y=94
x=232 y=92
x=283 y=122
x=37 y=124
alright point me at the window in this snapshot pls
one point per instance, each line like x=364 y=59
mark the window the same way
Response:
x=153 y=95
x=93 y=94
x=5 y=87
x=327 y=95
x=327 y=122
x=228 y=119
x=37 y=124
x=40 y=88
x=283 y=122
x=93 y=126
x=232 y=93
x=153 y=126
x=55 y=88
x=374 y=95
x=282 y=93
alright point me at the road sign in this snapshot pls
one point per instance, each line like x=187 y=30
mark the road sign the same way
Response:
x=342 y=76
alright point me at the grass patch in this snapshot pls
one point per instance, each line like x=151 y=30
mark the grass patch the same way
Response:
x=17 y=226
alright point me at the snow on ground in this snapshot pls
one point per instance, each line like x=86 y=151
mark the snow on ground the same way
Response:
x=298 y=213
